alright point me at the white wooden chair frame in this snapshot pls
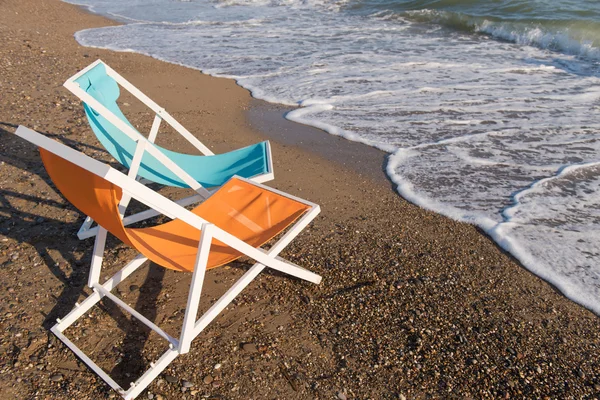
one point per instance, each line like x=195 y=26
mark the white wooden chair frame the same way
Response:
x=192 y=326
x=161 y=114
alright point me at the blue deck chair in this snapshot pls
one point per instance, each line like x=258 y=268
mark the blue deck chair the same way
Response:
x=98 y=87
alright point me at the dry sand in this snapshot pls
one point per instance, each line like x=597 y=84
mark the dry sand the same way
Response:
x=412 y=304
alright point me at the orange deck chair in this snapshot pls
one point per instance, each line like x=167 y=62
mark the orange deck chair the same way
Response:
x=234 y=221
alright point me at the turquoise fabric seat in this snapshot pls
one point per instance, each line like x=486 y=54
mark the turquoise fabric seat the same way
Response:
x=209 y=171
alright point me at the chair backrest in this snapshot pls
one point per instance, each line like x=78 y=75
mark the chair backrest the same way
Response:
x=209 y=171
x=250 y=213
x=93 y=195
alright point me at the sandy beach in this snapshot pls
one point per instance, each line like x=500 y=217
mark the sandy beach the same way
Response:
x=411 y=307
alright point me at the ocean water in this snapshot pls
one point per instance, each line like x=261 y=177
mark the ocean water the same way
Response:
x=490 y=110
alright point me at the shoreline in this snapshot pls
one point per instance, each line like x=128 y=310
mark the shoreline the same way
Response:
x=412 y=304
x=366 y=161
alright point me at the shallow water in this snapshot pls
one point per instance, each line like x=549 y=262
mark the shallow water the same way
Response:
x=489 y=110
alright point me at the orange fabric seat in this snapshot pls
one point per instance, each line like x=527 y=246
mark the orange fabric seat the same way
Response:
x=246 y=211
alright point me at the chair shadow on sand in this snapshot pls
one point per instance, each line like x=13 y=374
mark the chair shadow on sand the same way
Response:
x=48 y=235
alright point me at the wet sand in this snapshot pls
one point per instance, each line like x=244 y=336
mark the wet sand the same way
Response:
x=412 y=304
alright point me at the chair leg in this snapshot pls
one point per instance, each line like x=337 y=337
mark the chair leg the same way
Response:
x=191 y=311
x=270 y=259
x=227 y=298
x=101 y=291
x=97 y=257
x=92 y=299
x=297 y=271
x=123 y=204
x=82 y=233
x=151 y=374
